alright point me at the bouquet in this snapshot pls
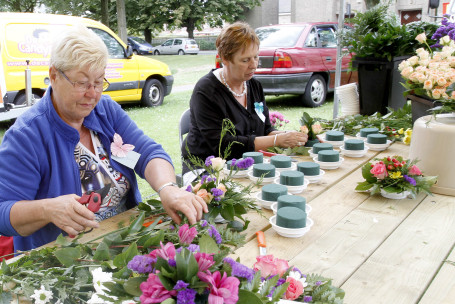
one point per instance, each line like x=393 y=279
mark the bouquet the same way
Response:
x=309 y=126
x=432 y=73
x=277 y=120
x=395 y=175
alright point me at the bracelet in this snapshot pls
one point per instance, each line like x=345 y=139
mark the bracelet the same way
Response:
x=165 y=185
x=274 y=141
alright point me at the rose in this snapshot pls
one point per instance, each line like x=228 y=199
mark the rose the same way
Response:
x=205 y=195
x=379 y=171
x=414 y=170
x=295 y=289
x=317 y=128
x=269 y=266
x=218 y=163
x=153 y=290
x=421 y=38
x=304 y=129
x=186 y=234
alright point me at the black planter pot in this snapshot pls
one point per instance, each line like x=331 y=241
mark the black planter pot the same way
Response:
x=379 y=84
x=420 y=106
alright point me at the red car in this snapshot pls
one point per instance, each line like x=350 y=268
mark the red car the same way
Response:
x=300 y=59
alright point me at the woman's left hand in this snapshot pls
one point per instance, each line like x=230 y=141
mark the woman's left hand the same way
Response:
x=176 y=199
x=291 y=139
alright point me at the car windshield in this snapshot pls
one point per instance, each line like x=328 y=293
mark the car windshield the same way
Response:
x=279 y=36
x=139 y=40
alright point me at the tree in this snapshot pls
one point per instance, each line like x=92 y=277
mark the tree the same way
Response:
x=371 y=3
x=22 y=6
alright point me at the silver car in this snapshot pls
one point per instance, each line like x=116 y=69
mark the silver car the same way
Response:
x=179 y=46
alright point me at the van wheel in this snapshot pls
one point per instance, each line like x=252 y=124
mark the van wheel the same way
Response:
x=20 y=98
x=134 y=52
x=152 y=93
x=181 y=52
x=315 y=92
x=156 y=52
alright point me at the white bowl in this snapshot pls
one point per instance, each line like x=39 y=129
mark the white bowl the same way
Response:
x=400 y=195
x=335 y=144
x=353 y=153
x=378 y=147
x=274 y=207
x=263 y=203
x=292 y=167
x=315 y=178
x=294 y=189
x=265 y=180
x=291 y=232
x=238 y=174
x=328 y=165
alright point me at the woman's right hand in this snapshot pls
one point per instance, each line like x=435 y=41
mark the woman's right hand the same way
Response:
x=291 y=139
x=69 y=215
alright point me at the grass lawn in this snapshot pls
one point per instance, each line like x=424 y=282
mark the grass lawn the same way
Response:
x=161 y=123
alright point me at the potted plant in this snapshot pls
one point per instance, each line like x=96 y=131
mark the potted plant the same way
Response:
x=380 y=43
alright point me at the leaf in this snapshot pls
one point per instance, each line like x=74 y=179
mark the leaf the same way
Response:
x=102 y=252
x=248 y=297
x=155 y=239
x=227 y=212
x=132 y=285
x=208 y=245
x=187 y=266
x=363 y=186
x=68 y=255
x=62 y=241
x=137 y=224
x=168 y=284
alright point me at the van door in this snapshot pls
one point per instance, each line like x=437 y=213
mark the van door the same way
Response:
x=121 y=72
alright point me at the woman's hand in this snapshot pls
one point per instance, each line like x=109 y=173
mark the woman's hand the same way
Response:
x=176 y=199
x=291 y=139
x=69 y=215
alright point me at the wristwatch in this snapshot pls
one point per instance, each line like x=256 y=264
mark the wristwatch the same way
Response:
x=165 y=185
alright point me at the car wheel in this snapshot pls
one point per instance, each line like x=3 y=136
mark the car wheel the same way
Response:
x=156 y=52
x=20 y=98
x=181 y=52
x=134 y=52
x=315 y=92
x=152 y=93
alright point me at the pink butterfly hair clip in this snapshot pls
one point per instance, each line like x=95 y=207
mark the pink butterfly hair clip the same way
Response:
x=118 y=148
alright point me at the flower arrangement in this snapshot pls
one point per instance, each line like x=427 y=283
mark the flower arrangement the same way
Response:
x=432 y=73
x=277 y=120
x=393 y=174
x=309 y=126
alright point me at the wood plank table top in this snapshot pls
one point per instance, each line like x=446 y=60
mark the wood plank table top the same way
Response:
x=378 y=250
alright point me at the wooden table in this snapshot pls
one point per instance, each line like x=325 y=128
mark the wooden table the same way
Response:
x=377 y=250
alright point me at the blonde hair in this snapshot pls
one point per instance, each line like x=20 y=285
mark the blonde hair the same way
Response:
x=234 y=38
x=78 y=47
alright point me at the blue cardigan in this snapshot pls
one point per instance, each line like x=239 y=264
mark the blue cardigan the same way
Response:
x=37 y=160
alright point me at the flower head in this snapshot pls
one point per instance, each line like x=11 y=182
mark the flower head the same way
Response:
x=379 y=171
x=421 y=38
x=166 y=252
x=153 y=290
x=204 y=261
x=294 y=290
x=141 y=264
x=42 y=296
x=270 y=266
x=215 y=234
x=410 y=180
x=240 y=270
x=414 y=170
x=187 y=234
x=100 y=277
x=223 y=289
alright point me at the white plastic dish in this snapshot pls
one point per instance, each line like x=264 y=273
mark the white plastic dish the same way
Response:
x=238 y=174
x=335 y=144
x=353 y=153
x=378 y=147
x=329 y=165
x=274 y=208
x=263 y=203
x=293 y=167
x=315 y=178
x=265 y=180
x=294 y=189
x=291 y=232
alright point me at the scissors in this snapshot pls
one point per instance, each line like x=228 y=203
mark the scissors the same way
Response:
x=94 y=199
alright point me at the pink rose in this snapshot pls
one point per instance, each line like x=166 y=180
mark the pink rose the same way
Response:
x=414 y=170
x=222 y=289
x=379 y=171
x=153 y=291
x=166 y=252
x=317 y=128
x=205 y=195
x=204 y=261
x=295 y=289
x=269 y=266
x=304 y=129
x=281 y=266
x=187 y=235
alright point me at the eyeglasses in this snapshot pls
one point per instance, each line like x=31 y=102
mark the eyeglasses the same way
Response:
x=84 y=86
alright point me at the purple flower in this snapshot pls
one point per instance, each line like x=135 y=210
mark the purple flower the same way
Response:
x=318 y=283
x=141 y=264
x=203 y=223
x=215 y=234
x=233 y=162
x=186 y=296
x=194 y=248
x=217 y=194
x=172 y=262
x=189 y=188
x=410 y=180
x=203 y=178
x=181 y=285
x=245 y=163
x=307 y=299
x=208 y=161
x=240 y=270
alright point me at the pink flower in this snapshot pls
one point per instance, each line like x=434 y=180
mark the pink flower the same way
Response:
x=295 y=289
x=204 y=260
x=414 y=170
x=269 y=266
x=166 y=252
x=316 y=127
x=154 y=292
x=187 y=235
x=304 y=129
x=222 y=289
x=379 y=171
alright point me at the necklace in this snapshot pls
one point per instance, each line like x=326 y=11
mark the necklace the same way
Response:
x=229 y=88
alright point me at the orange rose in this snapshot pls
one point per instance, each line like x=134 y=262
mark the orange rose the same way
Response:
x=205 y=195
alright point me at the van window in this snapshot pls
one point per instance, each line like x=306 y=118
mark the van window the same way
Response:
x=114 y=48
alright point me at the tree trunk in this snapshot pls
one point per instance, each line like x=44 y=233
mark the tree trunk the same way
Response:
x=190 y=28
x=105 y=12
x=121 y=20
x=148 y=35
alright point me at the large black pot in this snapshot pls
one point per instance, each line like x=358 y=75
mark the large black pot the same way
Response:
x=420 y=106
x=379 y=84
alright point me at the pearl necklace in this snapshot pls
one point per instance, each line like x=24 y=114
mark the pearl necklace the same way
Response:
x=229 y=88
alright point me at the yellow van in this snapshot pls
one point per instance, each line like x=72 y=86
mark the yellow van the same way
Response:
x=27 y=36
